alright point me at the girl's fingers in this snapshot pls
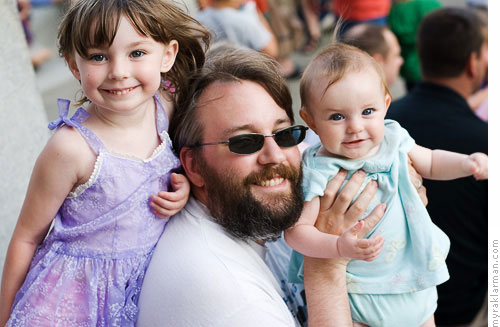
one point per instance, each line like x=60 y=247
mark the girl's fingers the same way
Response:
x=160 y=212
x=170 y=196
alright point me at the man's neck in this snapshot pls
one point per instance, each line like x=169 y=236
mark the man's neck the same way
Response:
x=460 y=84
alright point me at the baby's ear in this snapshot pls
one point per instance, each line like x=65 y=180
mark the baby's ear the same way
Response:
x=306 y=116
x=73 y=67
x=169 y=56
x=388 y=99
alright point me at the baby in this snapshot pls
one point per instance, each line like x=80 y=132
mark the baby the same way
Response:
x=344 y=100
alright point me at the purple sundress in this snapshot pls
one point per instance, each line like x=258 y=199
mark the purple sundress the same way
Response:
x=89 y=270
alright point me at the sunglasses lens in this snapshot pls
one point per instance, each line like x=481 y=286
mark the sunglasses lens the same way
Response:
x=290 y=136
x=246 y=143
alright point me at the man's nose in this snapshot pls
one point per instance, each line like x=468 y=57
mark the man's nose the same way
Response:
x=271 y=153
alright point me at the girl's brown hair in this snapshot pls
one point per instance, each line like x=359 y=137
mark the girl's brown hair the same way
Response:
x=94 y=23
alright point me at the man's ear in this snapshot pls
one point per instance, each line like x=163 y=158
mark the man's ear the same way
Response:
x=378 y=58
x=472 y=67
x=73 y=67
x=304 y=114
x=191 y=167
x=169 y=56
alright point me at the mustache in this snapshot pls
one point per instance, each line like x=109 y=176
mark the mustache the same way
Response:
x=286 y=172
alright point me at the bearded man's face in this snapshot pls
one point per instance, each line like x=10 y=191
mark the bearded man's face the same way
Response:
x=234 y=206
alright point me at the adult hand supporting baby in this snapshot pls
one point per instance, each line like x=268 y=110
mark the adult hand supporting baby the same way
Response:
x=337 y=214
x=417 y=181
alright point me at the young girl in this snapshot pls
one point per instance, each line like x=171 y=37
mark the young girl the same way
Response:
x=344 y=100
x=100 y=168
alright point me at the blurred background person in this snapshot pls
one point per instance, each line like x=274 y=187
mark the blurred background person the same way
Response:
x=380 y=43
x=239 y=23
x=353 y=12
x=404 y=19
x=453 y=54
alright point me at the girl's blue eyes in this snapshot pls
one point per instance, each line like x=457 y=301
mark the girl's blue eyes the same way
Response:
x=97 y=57
x=137 y=54
x=133 y=54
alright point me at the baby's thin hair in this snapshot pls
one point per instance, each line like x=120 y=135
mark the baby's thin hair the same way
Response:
x=333 y=63
x=94 y=23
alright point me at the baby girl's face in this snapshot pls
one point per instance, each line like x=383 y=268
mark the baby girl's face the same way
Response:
x=349 y=116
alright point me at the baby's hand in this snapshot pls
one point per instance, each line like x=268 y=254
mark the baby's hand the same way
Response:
x=166 y=204
x=350 y=246
x=477 y=165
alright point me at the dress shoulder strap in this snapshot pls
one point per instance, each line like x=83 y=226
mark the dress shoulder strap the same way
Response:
x=162 y=121
x=75 y=121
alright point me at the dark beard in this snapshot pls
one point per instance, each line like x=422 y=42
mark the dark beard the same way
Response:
x=234 y=207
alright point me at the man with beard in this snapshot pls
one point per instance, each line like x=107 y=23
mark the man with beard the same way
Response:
x=234 y=132
x=453 y=53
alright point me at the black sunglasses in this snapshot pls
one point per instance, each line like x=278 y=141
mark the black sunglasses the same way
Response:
x=253 y=142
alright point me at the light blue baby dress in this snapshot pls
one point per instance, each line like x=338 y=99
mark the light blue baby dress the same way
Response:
x=413 y=256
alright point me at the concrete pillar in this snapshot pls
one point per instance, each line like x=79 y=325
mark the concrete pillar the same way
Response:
x=23 y=121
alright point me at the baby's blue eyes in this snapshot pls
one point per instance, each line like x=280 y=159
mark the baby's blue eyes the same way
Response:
x=367 y=112
x=336 y=117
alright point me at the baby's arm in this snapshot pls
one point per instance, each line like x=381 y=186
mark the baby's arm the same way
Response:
x=446 y=165
x=305 y=238
x=53 y=177
x=166 y=204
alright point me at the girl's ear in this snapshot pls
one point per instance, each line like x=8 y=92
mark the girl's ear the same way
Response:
x=306 y=116
x=73 y=67
x=190 y=167
x=169 y=56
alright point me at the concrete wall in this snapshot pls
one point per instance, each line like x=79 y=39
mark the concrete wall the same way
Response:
x=23 y=121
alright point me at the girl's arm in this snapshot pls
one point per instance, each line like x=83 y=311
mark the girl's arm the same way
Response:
x=446 y=165
x=53 y=177
x=166 y=204
x=305 y=238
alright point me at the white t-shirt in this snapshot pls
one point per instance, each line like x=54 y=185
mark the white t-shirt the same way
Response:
x=201 y=276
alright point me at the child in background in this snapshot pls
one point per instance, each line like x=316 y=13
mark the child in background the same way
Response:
x=344 y=100
x=101 y=167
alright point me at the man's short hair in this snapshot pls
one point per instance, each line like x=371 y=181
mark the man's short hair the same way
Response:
x=369 y=38
x=446 y=39
x=225 y=63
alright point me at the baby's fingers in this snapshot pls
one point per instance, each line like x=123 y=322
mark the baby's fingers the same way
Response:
x=478 y=165
x=371 y=248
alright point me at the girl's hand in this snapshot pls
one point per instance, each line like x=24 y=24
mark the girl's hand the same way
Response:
x=166 y=204
x=477 y=165
x=350 y=246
